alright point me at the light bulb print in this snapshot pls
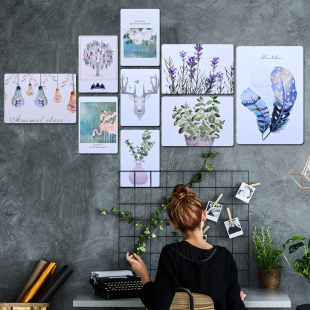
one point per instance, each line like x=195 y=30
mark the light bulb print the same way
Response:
x=57 y=98
x=41 y=100
x=30 y=91
x=18 y=100
x=71 y=107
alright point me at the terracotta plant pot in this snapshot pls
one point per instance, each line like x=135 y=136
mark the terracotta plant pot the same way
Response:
x=270 y=278
x=138 y=175
x=199 y=141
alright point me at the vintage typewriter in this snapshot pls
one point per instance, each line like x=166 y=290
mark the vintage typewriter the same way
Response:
x=116 y=284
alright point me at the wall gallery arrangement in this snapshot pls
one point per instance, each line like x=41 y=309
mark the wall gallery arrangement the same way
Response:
x=269 y=99
x=39 y=98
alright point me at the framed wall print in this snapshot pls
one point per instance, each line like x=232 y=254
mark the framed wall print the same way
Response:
x=198 y=69
x=140 y=97
x=197 y=121
x=39 y=98
x=269 y=95
x=98 y=125
x=140 y=37
x=140 y=158
x=98 y=64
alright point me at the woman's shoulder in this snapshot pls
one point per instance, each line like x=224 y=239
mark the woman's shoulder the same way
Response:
x=224 y=252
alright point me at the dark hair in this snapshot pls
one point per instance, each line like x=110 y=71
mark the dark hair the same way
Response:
x=184 y=208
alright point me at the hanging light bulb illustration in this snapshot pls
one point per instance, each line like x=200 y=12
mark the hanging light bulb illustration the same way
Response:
x=41 y=100
x=5 y=94
x=71 y=106
x=30 y=91
x=57 y=98
x=18 y=100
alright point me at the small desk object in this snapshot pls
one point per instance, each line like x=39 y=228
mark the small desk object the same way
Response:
x=255 y=298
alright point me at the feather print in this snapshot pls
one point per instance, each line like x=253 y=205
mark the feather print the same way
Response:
x=285 y=94
x=257 y=105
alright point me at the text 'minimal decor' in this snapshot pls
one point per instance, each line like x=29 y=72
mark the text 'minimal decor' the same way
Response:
x=39 y=98
x=98 y=64
x=269 y=95
x=98 y=120
x=140 y=37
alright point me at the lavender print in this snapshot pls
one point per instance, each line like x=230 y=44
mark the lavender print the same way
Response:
x=194 y=73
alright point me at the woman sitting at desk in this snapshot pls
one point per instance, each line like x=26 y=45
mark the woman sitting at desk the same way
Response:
x=192 y=263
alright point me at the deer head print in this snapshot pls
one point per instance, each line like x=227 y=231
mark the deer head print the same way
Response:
x=139 y=101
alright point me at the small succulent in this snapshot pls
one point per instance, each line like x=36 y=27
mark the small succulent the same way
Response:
x=203 y=121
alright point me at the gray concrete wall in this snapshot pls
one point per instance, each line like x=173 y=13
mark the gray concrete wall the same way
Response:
x=49 y=192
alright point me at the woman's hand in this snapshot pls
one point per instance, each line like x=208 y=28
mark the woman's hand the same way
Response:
x=138 y=266
x=242 y=296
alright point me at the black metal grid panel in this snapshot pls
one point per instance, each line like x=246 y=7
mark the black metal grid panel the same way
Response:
x=145 y=201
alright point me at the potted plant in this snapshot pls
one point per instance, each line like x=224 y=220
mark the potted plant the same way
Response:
x=200 y=125
x=267 y=258
x=299 y=265
x=139 y=152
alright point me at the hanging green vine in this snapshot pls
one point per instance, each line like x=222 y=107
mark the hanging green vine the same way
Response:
x=156 y=222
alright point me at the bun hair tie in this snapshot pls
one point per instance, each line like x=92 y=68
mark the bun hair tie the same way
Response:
x=180 y=191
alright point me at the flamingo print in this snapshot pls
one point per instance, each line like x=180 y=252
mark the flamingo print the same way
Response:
x=107 y=126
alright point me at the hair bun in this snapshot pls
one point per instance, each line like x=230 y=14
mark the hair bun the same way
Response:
x=180 y=191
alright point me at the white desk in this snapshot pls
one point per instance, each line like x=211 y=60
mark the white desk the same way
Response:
x=256 y=298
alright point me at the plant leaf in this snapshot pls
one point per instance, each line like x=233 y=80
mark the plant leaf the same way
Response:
x=114 y=210
x=293 y=248
x=294 y=238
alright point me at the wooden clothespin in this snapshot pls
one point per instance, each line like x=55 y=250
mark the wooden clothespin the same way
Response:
x=205 y=229
x=217 y=200
x=254 y=184
x=229 y=215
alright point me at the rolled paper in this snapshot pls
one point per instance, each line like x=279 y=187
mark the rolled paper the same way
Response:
x=37 y=271
x=39 y=282
x=54 y=285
